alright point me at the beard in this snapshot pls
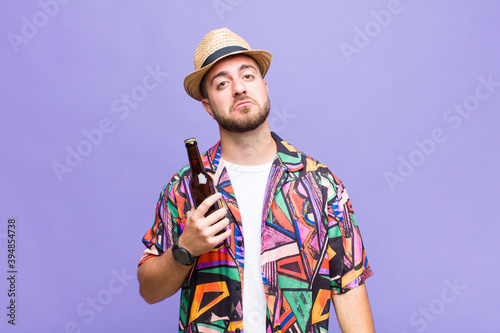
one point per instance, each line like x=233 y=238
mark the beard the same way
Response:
x=247 y=122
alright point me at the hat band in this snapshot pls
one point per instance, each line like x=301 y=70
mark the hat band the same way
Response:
x=221 y=52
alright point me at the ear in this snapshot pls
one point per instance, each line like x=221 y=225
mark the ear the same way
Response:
x=206 y=105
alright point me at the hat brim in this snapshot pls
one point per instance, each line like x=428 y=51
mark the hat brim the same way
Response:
x=192 y=81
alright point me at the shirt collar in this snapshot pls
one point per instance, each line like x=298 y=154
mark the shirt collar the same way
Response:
x=287 y=157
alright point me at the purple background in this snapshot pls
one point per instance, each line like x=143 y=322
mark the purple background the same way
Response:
x=350 y=85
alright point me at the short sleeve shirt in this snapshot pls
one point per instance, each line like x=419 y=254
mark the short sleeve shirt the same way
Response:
x=311 y=247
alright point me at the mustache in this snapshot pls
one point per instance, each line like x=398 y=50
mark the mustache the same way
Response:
x=242 y=98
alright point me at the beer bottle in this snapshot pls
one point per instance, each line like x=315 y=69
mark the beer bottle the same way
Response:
x=201 y=184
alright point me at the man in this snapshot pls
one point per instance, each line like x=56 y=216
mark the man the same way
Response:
x=289 y=241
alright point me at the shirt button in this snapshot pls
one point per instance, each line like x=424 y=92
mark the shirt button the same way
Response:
x=237 y=330
x=238 y=286
x=239 y=243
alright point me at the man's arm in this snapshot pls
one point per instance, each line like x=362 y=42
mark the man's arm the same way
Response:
x=160 y=277
x=353 y=311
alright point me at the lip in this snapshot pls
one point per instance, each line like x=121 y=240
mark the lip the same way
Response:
x=242 y=104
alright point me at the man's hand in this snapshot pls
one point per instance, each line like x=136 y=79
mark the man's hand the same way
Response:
x=200 y=233
x=161 y=276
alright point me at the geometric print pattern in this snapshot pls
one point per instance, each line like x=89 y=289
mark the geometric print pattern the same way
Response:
x=311 y=247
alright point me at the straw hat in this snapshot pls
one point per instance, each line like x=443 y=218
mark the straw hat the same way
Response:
x=218 y=44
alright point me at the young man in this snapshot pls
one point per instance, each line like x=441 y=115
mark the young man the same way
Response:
x=289 y=240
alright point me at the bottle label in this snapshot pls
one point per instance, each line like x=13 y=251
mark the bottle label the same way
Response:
x=202 y=179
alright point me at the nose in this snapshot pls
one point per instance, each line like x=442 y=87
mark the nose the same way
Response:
x=239 y=88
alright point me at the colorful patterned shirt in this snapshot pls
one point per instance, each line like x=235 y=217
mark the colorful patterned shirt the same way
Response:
x=311 y=247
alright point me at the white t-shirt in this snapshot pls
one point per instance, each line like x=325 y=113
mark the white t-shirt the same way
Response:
x=249 y=184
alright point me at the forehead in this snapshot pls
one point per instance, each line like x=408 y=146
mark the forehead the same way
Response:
x=231 y=62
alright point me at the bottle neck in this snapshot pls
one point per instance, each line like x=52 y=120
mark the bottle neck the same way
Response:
x=195 y=161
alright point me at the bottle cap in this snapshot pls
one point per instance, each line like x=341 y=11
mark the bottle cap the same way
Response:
x=191 y=140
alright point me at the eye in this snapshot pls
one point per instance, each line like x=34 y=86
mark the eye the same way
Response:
x=248 y=76
x=222 y=84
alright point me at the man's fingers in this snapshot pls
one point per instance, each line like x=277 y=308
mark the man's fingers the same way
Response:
x=207 y=203
x=221 y=233
x=224 y=235
x=202 y=233
x=219 y=214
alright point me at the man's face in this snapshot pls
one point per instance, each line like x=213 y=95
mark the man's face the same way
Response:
x=237 y=96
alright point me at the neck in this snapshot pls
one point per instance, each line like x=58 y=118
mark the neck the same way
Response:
x=256 y=147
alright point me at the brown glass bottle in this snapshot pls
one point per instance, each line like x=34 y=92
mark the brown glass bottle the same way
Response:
x=201 y=184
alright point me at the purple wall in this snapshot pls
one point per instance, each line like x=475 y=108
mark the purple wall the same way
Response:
x=397 y=97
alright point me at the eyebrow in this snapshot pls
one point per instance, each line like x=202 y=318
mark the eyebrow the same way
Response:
x=222 y=73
